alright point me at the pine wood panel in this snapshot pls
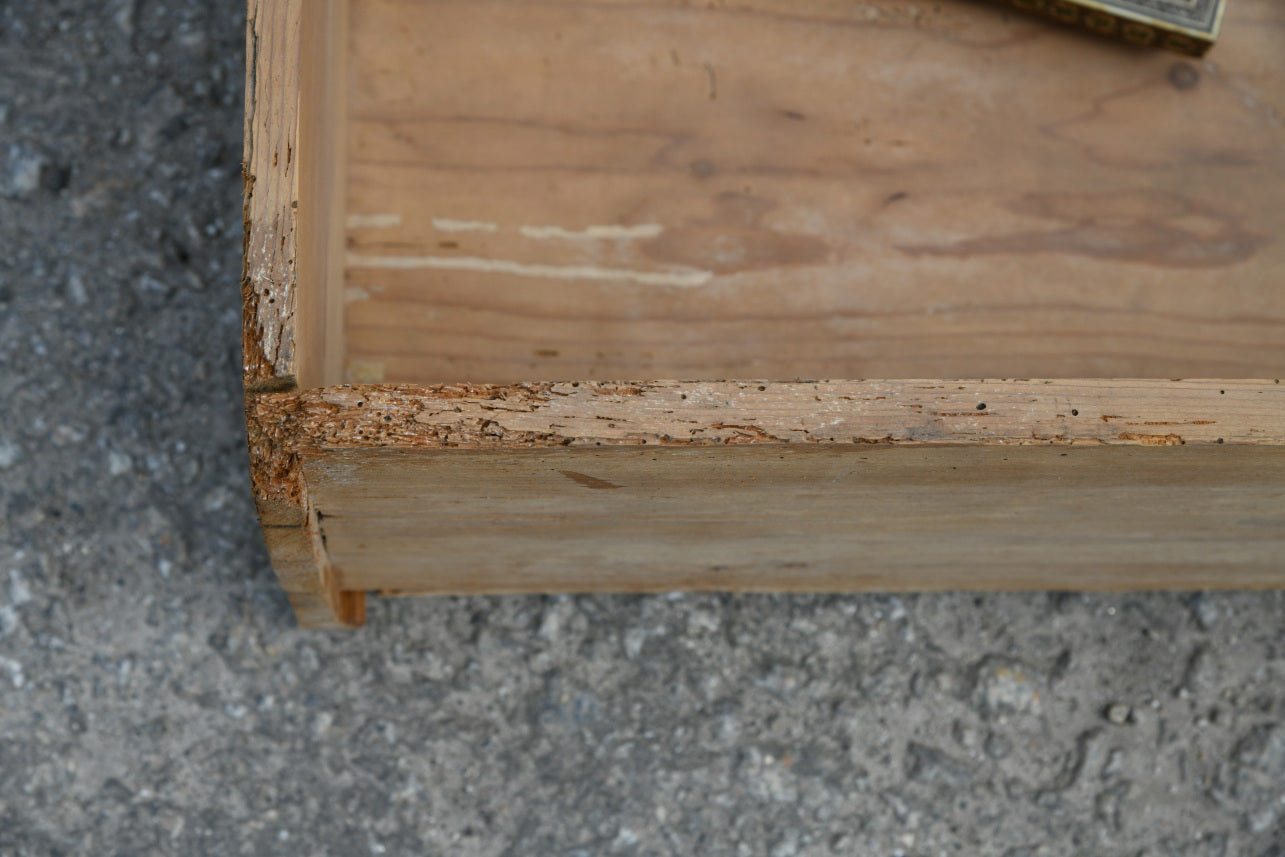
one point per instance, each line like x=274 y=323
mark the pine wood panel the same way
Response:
x=603 y=189
x=1079 y=484
x=588 y=189
x=292 y=273
x=826 y=518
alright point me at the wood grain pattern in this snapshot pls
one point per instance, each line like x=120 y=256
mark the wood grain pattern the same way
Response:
x=827 y=517
x=603 y=190
x=1081 y=484
x=293 y=233
x=1140 y=412
x=306 y=575
x=269 y=168
x=321 y=199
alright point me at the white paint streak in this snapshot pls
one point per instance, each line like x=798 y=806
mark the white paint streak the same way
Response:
x=608 y=232
x=678 y=279
x=353 y=294
x=445 y=224
x=373 y=221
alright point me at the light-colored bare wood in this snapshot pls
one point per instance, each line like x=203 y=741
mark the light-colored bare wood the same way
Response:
x=531 y=191
x=671 y=413
x=292 y=323
x=294 y=194
x=1102 y=484
x=603 y=189
x=271 y=137
x=306 y=575
x=828 y=517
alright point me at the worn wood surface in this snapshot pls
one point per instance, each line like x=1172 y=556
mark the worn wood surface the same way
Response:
x=602 y=189
x=308 y=578
x=828 y=517
x=268 y=293
x=448 y=194
x=822 y=485
x=1084 y=411
x=293 y=231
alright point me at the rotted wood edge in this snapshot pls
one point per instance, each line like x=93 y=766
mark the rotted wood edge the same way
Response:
x=716 y=413
x=275 y=58
x=273 y=40
x=286 y=429
x=1114 y=21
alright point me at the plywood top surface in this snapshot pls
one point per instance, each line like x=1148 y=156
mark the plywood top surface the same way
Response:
x=594 y=189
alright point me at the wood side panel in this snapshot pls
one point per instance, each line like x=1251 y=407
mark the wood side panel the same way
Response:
x=293 y=174
x=294 y=193
x=306 y=575
x=271 y=193
x=748 y=485
x=1188 y=28
x=608 y=189
x=829 y=517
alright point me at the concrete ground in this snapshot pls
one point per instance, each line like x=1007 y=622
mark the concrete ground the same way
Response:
x=156 y=697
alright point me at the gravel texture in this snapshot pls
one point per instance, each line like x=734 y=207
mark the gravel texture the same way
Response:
x=156 y=698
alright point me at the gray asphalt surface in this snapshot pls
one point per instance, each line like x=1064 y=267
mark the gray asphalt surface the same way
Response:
x=157 y=699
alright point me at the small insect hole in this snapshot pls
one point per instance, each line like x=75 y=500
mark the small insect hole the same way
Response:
x=981 y=406
x=1074 y=412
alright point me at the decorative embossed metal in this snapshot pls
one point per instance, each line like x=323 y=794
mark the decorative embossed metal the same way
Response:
x=1186 y=26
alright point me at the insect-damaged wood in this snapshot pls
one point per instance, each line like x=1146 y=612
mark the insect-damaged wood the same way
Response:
x=441 y=195
x=293 y=176
x=723 y=413
x=821 y=485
